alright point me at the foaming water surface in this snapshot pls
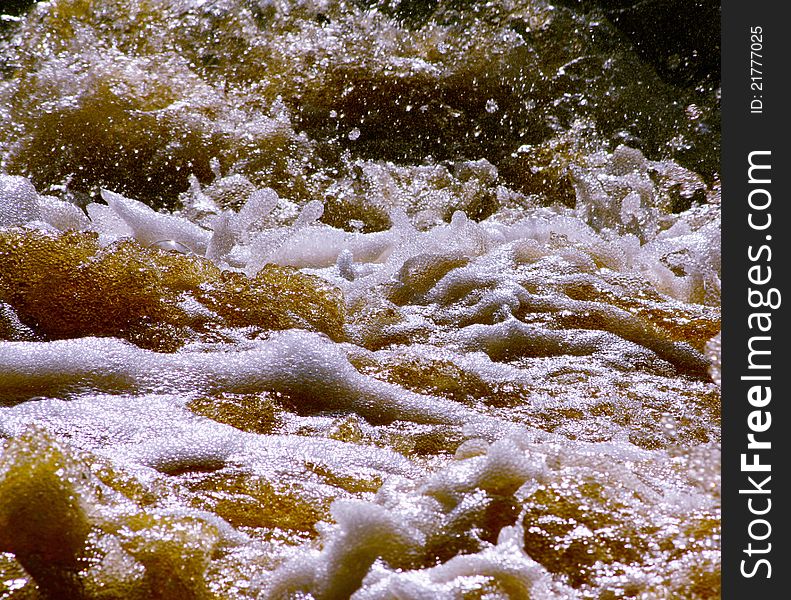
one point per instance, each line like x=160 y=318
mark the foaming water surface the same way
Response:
x=355 y=300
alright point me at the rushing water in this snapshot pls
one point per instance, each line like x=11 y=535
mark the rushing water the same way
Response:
x=325 y=299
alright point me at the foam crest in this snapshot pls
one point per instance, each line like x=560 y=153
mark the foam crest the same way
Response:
x=306 y=366
x=151 y=228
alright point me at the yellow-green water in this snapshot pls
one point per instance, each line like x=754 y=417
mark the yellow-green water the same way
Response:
x=341 y=300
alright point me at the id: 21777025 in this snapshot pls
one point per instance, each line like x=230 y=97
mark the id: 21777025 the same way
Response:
x=756 y=70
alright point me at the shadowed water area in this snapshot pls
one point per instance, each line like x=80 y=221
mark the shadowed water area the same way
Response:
x=324 y=299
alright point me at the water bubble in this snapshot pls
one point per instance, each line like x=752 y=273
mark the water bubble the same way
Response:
x=171 y=246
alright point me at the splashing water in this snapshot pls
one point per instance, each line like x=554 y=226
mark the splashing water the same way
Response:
x=352 y=300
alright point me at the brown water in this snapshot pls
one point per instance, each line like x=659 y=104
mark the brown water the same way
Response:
x=334 y=300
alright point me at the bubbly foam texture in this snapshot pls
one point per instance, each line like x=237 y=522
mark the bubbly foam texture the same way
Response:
x=323 y=300
x=494 y=313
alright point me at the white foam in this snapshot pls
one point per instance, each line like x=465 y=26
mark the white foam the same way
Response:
x=150 y=227
x=107 y=223
x=303 y=364
x=504 y=566
x=61 y=214
x=156 y=431
x=18 y=201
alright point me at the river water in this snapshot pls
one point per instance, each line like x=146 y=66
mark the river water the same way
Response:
x=321 y=299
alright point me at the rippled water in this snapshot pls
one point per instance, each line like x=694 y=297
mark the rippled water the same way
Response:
x=349 y=300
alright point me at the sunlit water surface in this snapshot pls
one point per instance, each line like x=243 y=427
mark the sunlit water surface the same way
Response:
x=339 y=300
